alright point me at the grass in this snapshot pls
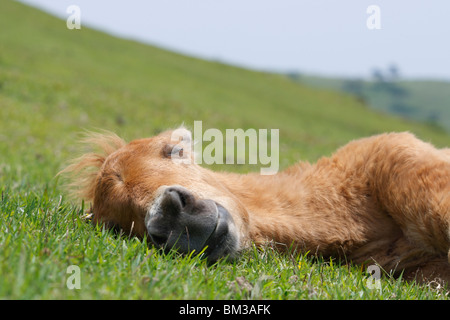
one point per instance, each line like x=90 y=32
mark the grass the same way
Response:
x=421 y=100
x=54 y=82
x=42 y=235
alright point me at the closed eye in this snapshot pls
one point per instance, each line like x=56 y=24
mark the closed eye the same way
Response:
x=170 y=149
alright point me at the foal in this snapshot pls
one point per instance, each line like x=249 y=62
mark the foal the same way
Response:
x=384 y=198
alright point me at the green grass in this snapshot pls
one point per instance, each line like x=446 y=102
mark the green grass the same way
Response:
x=41 y=236
x=54 y=82
x=427 y=101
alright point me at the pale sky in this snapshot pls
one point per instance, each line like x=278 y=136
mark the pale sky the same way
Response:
x=317 y=37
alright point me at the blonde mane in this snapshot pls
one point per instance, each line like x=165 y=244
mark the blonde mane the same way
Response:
x=83 y=171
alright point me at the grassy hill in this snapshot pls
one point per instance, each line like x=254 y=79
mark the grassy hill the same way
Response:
x=427 y=101
x=54 y=82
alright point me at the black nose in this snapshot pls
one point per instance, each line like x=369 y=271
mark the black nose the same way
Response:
x=158 y=239
x=177 y=200
x=178 y=220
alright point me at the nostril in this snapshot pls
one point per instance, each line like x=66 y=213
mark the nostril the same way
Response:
x=180 y=195
x=158 y=239
x=182 y=199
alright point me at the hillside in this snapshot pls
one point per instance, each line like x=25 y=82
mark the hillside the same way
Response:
x=55 y=82
x=427 y=101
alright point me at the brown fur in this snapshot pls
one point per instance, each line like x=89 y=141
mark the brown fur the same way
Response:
x=384 y=198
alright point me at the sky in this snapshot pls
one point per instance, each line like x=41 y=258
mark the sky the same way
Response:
x=321 y=37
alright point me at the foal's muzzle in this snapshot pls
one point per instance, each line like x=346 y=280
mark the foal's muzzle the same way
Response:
x=177 y=220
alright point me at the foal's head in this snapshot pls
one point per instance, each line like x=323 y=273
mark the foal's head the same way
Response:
x=153 y=187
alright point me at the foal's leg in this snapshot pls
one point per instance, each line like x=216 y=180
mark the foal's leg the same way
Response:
x=411 y=180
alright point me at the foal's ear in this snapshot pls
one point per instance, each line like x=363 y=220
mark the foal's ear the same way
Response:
x=181 y=135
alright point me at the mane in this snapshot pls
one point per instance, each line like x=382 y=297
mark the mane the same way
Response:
x=82 y=171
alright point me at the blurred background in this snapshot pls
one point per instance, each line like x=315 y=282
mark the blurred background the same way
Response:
x=314 y=70
x=322 y=72
x=323 y=37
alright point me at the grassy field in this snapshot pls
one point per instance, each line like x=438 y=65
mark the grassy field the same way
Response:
x=55 y=82
x=426 y=101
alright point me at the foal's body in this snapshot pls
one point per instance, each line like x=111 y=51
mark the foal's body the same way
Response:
x=383 y=199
